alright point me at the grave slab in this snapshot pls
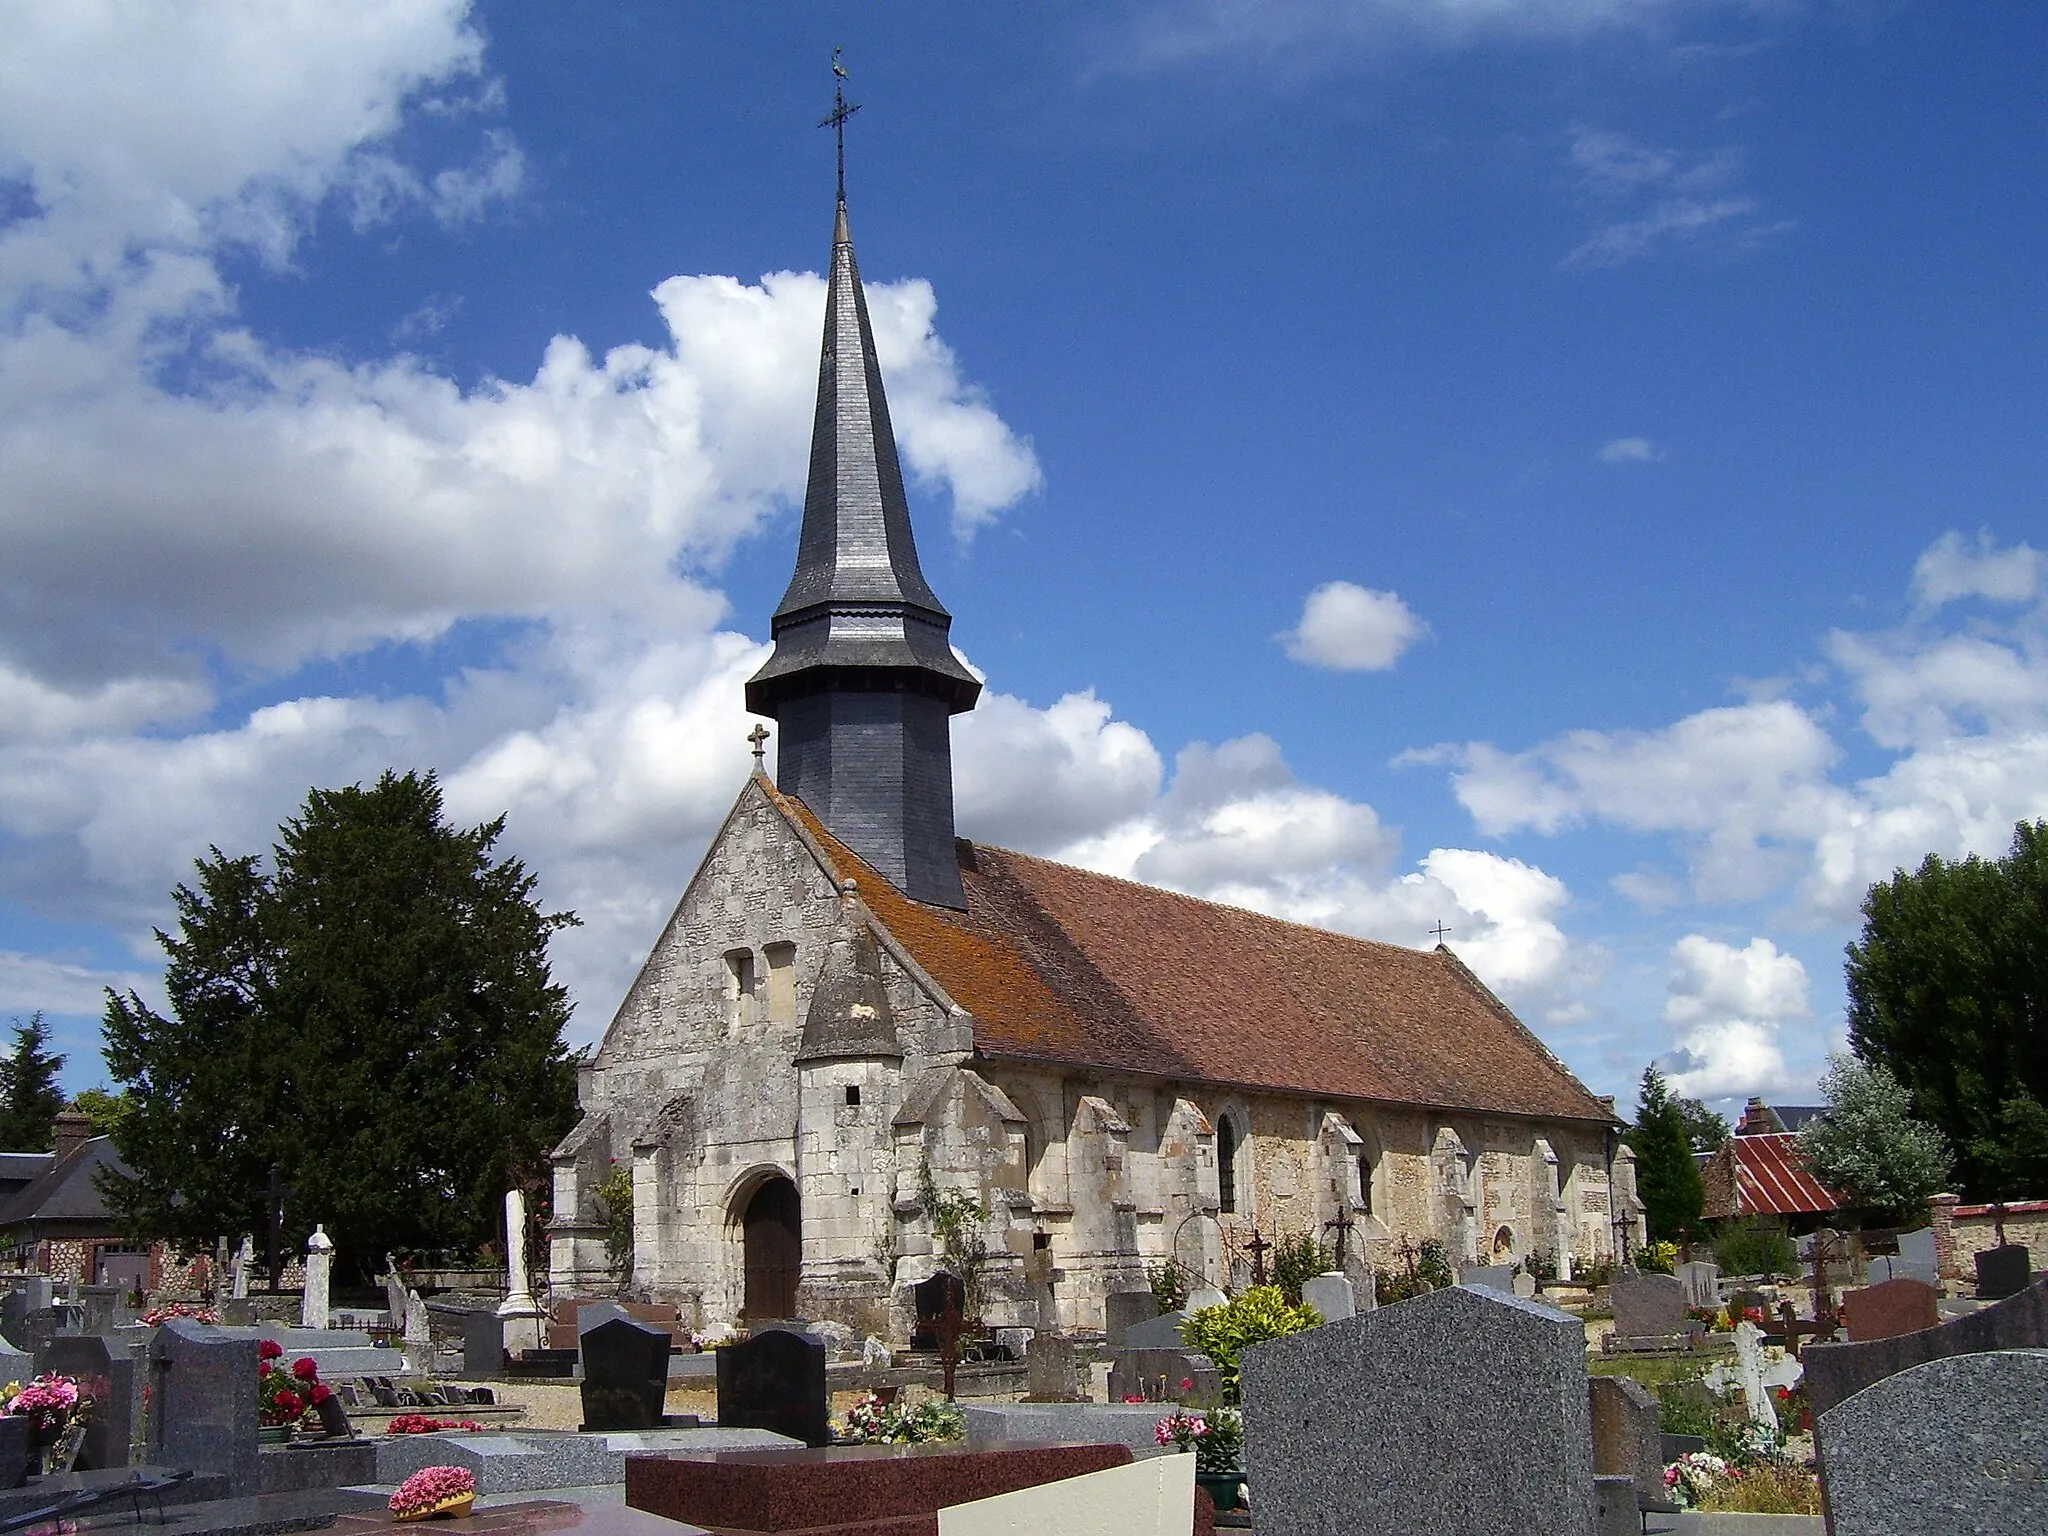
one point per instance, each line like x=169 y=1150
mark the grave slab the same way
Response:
x=1648 y=1306
x=897 y=1489
x=528 y=1518
x=2002 y=1272
x=514 y=1462
x=1155 y=1499
x=1049 y=1369
x=1462 y=1412
x=1128 y=1424
x=1957 y=1444
x=1836 y=1371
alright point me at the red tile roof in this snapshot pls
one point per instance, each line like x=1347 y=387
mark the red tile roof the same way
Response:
x=1769 y=1178
x=1061 y=965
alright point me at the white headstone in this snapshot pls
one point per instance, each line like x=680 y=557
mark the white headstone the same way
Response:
x=319 y=1270
x=1749 y=1363
x=874 y=1354
x=525 y=1322
x=1331 y=1295
x=1525 y=1284
x=1204 y=1296
x=394 y=1291
x=1702 y=1283
x=419 y=1333
x=244 y=1257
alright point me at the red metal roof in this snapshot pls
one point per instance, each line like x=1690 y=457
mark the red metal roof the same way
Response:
x=1772 y=1179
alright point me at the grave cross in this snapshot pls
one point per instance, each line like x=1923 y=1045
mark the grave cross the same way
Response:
x=279 y=1192
x=1342 y=1227
x=947 y=1326
x=1407 y=1255
x=1257 y=1248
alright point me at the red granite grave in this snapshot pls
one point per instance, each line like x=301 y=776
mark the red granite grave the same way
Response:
x=1886 y=1311
x=850 y=1490
x=532 y=1518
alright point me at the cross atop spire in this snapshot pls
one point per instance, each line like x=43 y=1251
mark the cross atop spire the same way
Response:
x=842 y=109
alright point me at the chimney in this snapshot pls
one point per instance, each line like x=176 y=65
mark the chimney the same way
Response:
x=73 y=1131
x=1757 y=1120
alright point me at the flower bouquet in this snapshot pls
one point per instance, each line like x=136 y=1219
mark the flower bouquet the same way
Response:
x=421 y=1424
x=1216 y=1436
x=286 y=1395
x=156 y=1316
x=434 y=1491
x=51 y=1404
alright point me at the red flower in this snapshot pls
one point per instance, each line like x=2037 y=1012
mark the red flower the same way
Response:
x=321 y=1393
x=306 y=1368
x=269 y=1349
x=1187 y=1383
x=290 y=1404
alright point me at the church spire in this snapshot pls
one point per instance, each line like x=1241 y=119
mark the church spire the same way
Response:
x=863 y=678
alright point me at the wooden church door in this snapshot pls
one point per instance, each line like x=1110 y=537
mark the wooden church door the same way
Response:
x=774 y=1251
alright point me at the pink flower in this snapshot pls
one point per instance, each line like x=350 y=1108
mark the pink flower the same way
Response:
x=429 y=1486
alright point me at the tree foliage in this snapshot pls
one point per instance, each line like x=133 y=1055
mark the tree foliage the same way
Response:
x=1705 y=1130
x=1869 y=1146
x=374 y=1015
x=1667 y=1177
x=29 y=1096
x=1948 y=990
x=105 y=1110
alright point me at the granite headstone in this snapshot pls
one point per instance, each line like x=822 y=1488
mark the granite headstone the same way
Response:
x=1836 y=1371
x=1495 y=1277
x=775 y=1380
x=625 y=1375
x=1161 y=1332
x=1203 y=1297
x=203 y=1404
x=1125 y=1309
x=1958 y=1444
x=13 y=1449
x=2003 y=1272
x=1627 y=1439
x=1049 y=1369
x=1461 y=1412
x=1157 y=1375
x=593 y=1314
x=109 y=1374
x=1887 y=1310
x=1648 y=1306
x=483 y=1344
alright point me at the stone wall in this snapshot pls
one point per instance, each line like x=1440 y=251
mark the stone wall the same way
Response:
x=1962 y=1231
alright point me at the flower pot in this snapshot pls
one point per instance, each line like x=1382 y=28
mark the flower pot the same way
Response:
x=455 y=1506
x=1224 y=1488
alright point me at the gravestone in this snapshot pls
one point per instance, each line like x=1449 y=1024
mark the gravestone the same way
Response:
x=419 y=1332
x=111 y=1377
x=1648 y=1306
x=483 y=1344
x=1525 y=1285
x=1049 y=1369
x=203 y=1401
x=775 y=1380
x=1331 y=1295
x=1161 y=1332
x=46 y=1323
x=1958 y=1444
x=1885 y=1311
x=238 y=1271
x=1124 y=1309
x=1495 y=1277
x=1626 y=1438
x=594 y=1314
x=2002 y=1272
x=1749 y=1371
x=319 y=1267
x=15 y=1364
x=625 y=1375
x=1203 y=1297
x=13 y=1449
x=1701 y=1283
x=1460 y=1411
x=103 y=1308
x=1835 y=1371
x=1157 y=1376
x=33 y=1294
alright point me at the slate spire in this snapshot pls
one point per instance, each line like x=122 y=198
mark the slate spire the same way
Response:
x=863 y=680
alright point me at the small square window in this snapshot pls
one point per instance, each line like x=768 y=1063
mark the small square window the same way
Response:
x=853 y=1093
x=856 y=1189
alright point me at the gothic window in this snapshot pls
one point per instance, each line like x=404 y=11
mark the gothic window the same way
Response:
x=781 y=983
x=1365 y=1182
x=1226 y=1164
x=739 y=988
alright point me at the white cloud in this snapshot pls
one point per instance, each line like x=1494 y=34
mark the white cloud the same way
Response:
x=1353 y=629
x=1952 y=567
x=1728 y=1005
x=1628 y=450
x=44 y=984
x=1650 y=198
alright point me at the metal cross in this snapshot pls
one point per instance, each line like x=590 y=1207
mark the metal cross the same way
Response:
x=1405 y=1252
x=279 y=1192
x=1342 y=1227
x=842 y=109
x=1257 y=1248
x=1439 y=931
x=759 y=737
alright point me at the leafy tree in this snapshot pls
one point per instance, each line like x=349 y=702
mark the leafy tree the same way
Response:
x=1667 y=1177
x=373 y=1015
x=1948 y=990
x=1704 y=1129
x=107 y=1111
x=30 y=1099
x=1869 y=1146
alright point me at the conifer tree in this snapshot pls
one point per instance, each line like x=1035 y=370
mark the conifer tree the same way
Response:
x=1667 y=1177
x=29 y=1096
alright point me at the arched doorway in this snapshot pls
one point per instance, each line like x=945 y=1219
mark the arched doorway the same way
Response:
x=774 y=1251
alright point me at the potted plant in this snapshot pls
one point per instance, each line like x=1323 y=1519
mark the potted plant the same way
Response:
x=1216 y=1436
x=51 y=1404
x=285 y=1393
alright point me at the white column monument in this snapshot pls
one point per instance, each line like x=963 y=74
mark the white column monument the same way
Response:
x=244 y=1257
x=525 y=1321
x=319 y=1269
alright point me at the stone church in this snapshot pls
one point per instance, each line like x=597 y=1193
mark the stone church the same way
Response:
x=864 y=1048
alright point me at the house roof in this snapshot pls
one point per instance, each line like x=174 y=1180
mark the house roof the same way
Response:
x=18 y=1170
x=69 y=1190
x=1066 y=966
x=1765 y=1175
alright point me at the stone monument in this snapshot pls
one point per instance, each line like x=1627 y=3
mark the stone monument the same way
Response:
x=319 y=1270
x=524 y=1318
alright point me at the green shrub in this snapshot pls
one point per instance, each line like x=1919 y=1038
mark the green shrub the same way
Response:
x=1753 y=1247
x=1683 y=1410
x=1251 y=1317
x=1434 y=1266
x=1658 y=1259
x=1296 y=1257
x=1169 y=1285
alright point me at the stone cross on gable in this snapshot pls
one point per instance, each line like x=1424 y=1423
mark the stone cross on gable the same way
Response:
x=759 y=737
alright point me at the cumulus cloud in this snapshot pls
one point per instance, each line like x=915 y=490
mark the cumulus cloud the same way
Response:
x=1627 y=450
x=1953 y=567
x=1649 y=198
x=1351 y=628
x=1728 y=1006
x=45 y=984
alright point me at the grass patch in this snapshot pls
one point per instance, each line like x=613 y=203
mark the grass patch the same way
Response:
x=1768 y=1490
x=1653 y=1371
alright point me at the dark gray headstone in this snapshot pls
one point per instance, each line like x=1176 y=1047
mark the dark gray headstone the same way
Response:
x=1495 y=1277
x=112 y=1378
x=2002 y=1272
x=1953 y=1445
x=1648 y=1306
x=203 y=1383
x=1835 y=1372
x=595 y=1314
x=1627 y=1440
x=1460 y=1411
x=1049 y=1368
x=1161 y=1332
x=775 y=1380
x=13 y=1450
x=30 y=1294
x=1157 y=1374
x=483 y=1344
x=1123 y=1309
x=625 y=1375
x=43 y=1324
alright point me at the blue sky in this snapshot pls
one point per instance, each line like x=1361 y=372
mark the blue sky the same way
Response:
x=1570 y=469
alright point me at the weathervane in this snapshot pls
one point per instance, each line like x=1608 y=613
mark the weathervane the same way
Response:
x=842 y=109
